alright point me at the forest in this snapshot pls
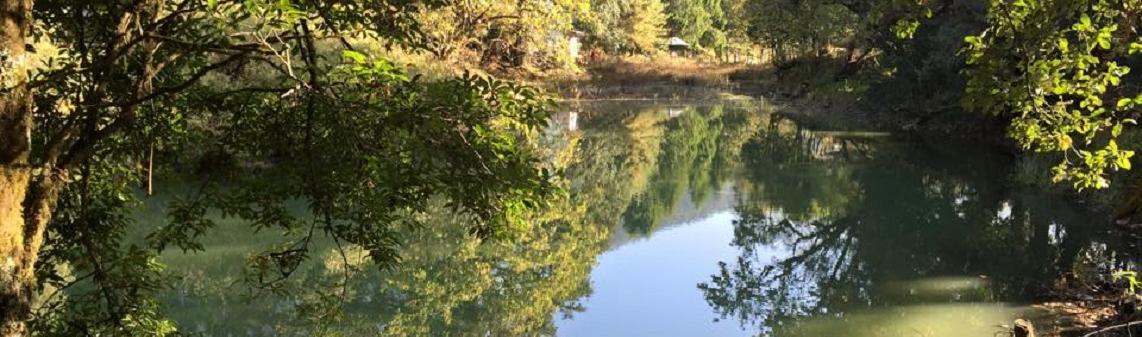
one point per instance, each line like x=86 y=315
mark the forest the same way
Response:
x=477 y=167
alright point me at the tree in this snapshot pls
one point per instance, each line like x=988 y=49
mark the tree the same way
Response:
x=20 y=230
x=1056 y=68
x=503 y=33
x=604 y=17
x=631 y=26
x=262 y=86
x=693 y=20
x=646 y=25
x=735 y=25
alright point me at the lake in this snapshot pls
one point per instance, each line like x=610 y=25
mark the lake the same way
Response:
x=716 y=219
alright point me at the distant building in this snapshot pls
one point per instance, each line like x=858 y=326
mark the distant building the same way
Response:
x=678 y=47
x=574 y=42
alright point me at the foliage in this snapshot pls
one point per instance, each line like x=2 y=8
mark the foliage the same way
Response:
x=271 y=104
x=716 y=25
x=1131 y=279
x=605 y=16
x=636 y=26
x=1056 y=68
x=691 y=20
x=646 y=25
x=815 y=25
x=503 y=33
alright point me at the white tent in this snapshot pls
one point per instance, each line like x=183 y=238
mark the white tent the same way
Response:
x=678 y=42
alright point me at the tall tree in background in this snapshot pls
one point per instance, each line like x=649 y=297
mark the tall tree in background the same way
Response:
x=600 y=24
x=626 y=26
x=493 y=29
x=692 y=20
x=735 y=25
x=646 y=25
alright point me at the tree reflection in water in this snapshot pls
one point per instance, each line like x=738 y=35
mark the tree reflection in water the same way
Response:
x=834 y=224
x=858 y=221
x=627 y=165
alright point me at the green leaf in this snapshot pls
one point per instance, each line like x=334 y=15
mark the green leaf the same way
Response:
x=1122 y=103
x=1060 y=89
x=1123 y=162
x=1064 y=45
x=211 y=4
x=905 y=29
x=356 y=56
x=1065 y=142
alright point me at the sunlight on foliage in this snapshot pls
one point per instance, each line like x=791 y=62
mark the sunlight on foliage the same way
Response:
x=1060 y=85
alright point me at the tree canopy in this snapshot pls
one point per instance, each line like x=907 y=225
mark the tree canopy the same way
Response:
x=1058 y=68
x=272 y=99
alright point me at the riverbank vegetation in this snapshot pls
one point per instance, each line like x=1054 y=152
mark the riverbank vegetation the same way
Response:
x=357 y=122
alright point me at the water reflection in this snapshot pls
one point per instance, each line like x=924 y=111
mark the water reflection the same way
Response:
x=877 y=237
x=627 y=170
x=850 y=234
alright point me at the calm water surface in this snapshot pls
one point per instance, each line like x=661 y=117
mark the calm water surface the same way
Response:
x=684 y=220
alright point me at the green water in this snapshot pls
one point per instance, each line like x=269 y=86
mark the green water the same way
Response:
x=686 y=220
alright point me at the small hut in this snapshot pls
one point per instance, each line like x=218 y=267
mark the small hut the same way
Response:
x=678 y=47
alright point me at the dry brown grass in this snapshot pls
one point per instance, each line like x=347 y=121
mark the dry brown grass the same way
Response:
x=662 y=77
x=613 y=77
x=642 y=70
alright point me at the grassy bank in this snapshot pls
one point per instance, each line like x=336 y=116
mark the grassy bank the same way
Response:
x=612 y=77
x=656 y=78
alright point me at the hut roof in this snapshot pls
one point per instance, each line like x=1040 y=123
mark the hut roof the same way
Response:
x=678 y=42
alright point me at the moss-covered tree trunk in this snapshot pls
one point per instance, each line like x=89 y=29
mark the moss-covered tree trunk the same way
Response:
x=19 y=243
x=16 y=279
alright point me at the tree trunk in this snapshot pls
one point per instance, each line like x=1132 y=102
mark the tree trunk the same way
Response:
x=17 y=256
x=16 y=278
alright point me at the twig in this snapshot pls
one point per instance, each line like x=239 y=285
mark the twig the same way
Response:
x=1113 y=327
